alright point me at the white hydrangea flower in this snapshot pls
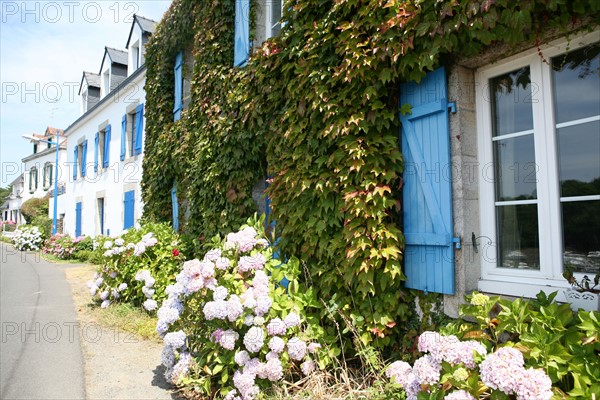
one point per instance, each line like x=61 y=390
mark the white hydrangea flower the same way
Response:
x=254 y=339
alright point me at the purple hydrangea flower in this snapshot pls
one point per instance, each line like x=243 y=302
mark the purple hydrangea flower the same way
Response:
x=427 y=369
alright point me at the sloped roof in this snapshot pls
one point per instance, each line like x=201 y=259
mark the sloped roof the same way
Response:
x=93 y=80
x=146 y=24
x=117 y=56
x=50 y=131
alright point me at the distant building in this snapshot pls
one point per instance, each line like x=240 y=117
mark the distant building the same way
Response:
x=39 y=173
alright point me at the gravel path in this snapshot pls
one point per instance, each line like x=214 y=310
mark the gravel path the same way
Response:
x=118 y=365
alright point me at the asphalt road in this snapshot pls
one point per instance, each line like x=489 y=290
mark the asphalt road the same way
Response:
x=40 y=352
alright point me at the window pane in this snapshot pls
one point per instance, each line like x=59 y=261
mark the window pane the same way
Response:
x=579 y=159
x=515 y=168
x=576 y=84
x=518 y=242
x=511 y=102
x=276 y=11
x=581 y=233
x=133 y=121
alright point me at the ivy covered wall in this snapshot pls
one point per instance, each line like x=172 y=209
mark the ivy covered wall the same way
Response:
x=213 y=154
x=317 y=109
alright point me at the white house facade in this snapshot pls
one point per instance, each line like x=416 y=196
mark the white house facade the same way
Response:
x=11 y=209
x=106 y=142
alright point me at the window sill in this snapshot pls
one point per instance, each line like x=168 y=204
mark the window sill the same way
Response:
x=133 y=158
x=519 y=289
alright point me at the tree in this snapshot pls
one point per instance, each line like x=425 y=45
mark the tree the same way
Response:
x=4 y=193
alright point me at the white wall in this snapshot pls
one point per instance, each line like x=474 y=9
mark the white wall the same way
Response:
x=135 y=41
x=108 y=183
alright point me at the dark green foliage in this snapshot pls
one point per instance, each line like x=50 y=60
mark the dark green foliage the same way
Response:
x=213 y=154
x=34 y=207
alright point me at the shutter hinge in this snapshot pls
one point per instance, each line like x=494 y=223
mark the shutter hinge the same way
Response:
x=456 y=241
x=452 y=108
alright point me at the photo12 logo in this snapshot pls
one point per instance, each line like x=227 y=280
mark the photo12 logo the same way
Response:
x=66 y=11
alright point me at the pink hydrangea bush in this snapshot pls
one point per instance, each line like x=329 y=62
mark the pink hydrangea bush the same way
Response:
x=230 y=329
x=464 y=370
x=137 y=266
x=60 y=246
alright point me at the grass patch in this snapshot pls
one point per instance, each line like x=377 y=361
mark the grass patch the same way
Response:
x=128 y=319
x=121 y=317
x=5 y=239
x=343 y=382
x=52 y=258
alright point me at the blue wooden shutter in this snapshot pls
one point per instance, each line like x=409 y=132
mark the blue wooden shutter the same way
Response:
x=96 y=144
x=178 y=87
x=106 y=159
x=139 y=129
x=123 y=136
x=83 y=158
x=175 y=206
x=75 y=157
x=128 y=209
x=270 y=223
x=427 y=193
x=77 y=219
x=242 y=32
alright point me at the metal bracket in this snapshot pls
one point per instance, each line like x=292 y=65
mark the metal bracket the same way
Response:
x=456 y=241
x=452 y=107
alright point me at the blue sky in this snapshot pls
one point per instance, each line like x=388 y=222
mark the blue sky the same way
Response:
x=44 y=48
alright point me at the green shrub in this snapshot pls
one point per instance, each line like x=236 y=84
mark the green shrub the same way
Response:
x=35 y=207
x=84 y=243
x=137 y=266
x=44 y=223
x=82 y=255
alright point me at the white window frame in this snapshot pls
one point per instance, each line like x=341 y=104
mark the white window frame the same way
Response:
x=33 y=179
x=80 y=159
x=106 y=81
x=269 y=23
x=135 y=58
x=549 y=278
x=48 y=175
x=84 y=100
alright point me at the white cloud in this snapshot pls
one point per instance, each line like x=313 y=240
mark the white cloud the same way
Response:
x=44 y=48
